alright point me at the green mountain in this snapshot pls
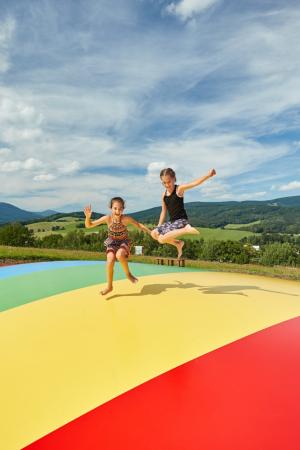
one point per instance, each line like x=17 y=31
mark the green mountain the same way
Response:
x=10 y=213
x=281 y=215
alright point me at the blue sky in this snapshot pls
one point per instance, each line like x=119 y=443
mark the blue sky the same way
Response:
x=96 y=96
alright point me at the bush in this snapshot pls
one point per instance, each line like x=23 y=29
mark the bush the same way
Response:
x=225 y=251
x=16 y=235
x=280 y=254
x=51 y=241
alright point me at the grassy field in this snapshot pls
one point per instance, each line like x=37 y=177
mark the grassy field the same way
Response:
x=220 y=234
x=234 y=226
x=8 y=253
x=67 y=224
x=19 y=254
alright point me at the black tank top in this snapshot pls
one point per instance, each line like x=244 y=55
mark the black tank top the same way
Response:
x=175 y=206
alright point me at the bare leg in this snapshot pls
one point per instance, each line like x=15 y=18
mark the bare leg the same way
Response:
x=111 y=258
x=175 y=233
x=178 y=244
x=121 y=256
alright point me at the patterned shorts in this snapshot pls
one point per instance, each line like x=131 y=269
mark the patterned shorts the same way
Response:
x=113 y=245
x=170 y=226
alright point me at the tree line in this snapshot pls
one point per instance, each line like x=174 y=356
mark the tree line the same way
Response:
x=280 y=252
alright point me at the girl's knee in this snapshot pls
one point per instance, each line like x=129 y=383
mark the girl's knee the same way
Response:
x=161 y=239
x=111 y=257
x=121 y=254
x=154 y=234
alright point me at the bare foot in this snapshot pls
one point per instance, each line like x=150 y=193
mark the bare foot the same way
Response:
x=132 y=278
x=190 y=230
x=179 y=246
x=106 y=290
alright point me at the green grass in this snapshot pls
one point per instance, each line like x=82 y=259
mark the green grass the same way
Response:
x=46 y=254
x=17 y=254
x=234 y=226
x=219 y=234
x=69 y=224
x=42 y=229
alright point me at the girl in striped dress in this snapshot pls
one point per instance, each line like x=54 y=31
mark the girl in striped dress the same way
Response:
x=118 y=243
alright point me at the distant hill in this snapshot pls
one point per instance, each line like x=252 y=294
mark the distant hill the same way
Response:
x=11 y=213
x=47 y=213
x=281 y=215
x=286 y=201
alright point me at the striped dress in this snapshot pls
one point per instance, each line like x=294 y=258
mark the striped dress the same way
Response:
x=117 y=237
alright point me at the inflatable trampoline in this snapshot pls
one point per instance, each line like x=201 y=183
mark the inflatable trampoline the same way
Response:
x=183 y=360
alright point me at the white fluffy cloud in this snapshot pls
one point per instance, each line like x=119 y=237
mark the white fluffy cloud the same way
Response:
x=69 y=167
x=293 y=185
x=92 y=99
x=44 y=177
x=185 y=9
x=15 y=166
x=154 y=169
x=230 y=154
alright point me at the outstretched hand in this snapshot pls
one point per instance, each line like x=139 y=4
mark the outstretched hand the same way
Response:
x=212 y=172
x=88 y=211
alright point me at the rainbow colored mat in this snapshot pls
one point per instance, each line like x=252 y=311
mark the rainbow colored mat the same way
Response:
x=183 y=360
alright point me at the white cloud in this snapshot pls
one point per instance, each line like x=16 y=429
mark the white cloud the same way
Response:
x=70 y=167
x=5 y=151
x=293 y=185
x=214 y=190
x=153 y=170
x=13 y=135
x=230 y=154
x=15 y=166
x=32 y=163
x=44 y=177
x=10 y=166
x=106 y=91
x=185 y=9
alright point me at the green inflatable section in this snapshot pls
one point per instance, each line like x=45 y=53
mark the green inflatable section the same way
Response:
x=19 y=290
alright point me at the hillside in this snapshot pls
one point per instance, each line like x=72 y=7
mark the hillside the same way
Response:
x=280 y=215
x=10 y=213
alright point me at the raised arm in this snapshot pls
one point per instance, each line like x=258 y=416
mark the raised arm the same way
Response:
x=184 y=187
x=128 y=219
x=93 y=223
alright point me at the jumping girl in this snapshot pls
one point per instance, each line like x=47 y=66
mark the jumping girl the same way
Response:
x=117 y=244
x=172 y=202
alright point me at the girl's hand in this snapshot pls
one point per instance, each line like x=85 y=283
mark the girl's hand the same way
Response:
x=212 y=172
x=88 y=212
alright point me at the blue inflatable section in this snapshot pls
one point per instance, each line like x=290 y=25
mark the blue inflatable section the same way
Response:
x=23 y=269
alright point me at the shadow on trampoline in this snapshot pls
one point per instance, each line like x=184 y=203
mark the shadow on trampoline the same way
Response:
x=233 y=290
x=156 y=289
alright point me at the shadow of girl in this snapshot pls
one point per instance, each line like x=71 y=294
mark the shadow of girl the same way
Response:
x=156 y=289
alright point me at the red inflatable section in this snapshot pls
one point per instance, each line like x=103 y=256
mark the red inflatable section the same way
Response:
x=243 y=396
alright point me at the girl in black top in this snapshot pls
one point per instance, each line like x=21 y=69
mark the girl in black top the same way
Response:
x=172 y=202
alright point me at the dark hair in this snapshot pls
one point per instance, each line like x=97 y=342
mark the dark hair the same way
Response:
x=117 y=199
x=169 y=172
